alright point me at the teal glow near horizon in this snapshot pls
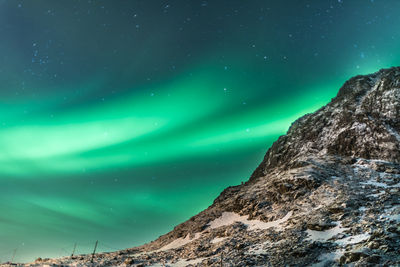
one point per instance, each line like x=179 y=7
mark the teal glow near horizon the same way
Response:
x=122 y=119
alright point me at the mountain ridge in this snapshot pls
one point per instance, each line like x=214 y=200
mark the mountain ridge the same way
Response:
x=326 y=193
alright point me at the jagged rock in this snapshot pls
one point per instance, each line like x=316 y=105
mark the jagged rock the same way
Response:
x=320 y=226
x=349 y=257
x=325 y=193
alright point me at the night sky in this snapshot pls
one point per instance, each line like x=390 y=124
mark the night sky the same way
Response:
x=121 y=119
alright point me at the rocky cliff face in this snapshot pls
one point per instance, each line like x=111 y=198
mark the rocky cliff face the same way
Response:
x=326 y=193
x=362 y=121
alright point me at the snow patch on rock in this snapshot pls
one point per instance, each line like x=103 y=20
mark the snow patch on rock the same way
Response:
x=179 y=242
x=327 y=258
x=228 y=218
x=183 y=262
x=374 y=183
x=354 y=239
x=217 y=240
x=323 y=236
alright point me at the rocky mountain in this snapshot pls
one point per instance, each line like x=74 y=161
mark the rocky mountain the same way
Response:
x=325 y=194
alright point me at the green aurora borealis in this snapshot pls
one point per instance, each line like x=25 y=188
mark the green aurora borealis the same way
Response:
x=121 y=119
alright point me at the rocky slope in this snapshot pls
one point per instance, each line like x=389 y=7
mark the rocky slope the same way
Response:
x=326 y=193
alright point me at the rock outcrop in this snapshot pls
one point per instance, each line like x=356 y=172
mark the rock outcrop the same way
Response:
x=326 y=194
